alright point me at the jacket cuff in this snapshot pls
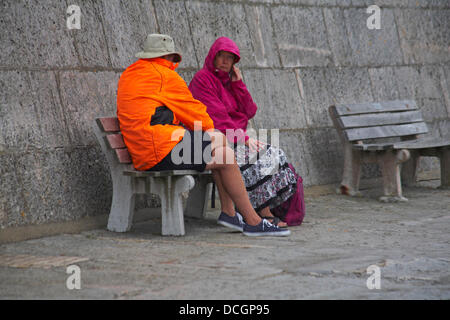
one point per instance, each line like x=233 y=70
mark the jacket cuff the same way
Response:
x=238 y=83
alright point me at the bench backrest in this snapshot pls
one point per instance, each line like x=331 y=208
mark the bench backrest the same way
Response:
x=377 y=120
x=114 y=139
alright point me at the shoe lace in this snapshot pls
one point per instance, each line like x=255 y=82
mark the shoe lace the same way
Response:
x=267 y=224
x=240 y=218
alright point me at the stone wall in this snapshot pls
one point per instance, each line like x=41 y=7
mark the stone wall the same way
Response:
x=298 y=57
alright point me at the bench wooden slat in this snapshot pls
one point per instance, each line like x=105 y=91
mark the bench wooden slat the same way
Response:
x=373 y=146
x=163 y=173
x=115 y=141
x=123 y=156
x=422 y=144
x=380 y=119
x=375 y=107
x=386 y=131
x=108 y=124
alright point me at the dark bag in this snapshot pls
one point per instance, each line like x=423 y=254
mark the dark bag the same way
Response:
x=292 y=211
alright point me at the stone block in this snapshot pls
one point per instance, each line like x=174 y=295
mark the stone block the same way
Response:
x=445 y=85
x=315 y=153
x=301 y=36
x=371 y=46
x=90 y=40
x=30 y=113
x=429 y=93
x=126 y=25
x=316 y=97
x=34 y=34
x=442 y=127
x=384 y=84
x=261 y=33
x=61 y=186
x=441 y=26
x=348 y=85
x=86 y=96
x=420 y=40
x=315 y=2
x=292 y=143
x=277 y=96
x=430 y=82
x=211 y=20
x=380 y=3
x=423 y=84
x=337 y=36
x=11 y=197
x=439 y=3
x=408 y=81
x=173 y=20
x=403 y=3
x=263 y=1
x=432 y=109
x=187 y=75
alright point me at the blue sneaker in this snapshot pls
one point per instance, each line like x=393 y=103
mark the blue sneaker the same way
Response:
x=236 y=222
x=265 y=228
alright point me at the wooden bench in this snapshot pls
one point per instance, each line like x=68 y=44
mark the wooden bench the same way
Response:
x=389 y=133
x=168 y=185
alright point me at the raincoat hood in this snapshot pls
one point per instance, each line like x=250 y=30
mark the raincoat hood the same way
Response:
x=229 y=104
x=221 y=44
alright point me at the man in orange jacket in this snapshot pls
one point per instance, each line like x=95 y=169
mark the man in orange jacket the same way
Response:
x=157 y=112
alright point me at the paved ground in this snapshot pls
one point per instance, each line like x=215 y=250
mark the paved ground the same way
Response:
x=325 y=258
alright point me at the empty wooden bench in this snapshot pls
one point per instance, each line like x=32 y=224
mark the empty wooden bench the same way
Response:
x=391 y=134
x=168 y=185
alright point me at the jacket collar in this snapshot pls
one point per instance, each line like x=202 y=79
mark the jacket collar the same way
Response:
x=163 y=62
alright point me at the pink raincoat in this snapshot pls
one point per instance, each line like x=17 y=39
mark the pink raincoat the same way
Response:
x=228 y=103
x=230 y=106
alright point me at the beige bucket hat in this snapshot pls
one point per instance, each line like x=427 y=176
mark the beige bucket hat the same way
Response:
x=158 y=45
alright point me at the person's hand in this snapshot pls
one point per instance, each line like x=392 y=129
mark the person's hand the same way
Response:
x=236 y=74
x=254 y=145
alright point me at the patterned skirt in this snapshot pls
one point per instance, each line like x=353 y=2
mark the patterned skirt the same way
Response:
x=267 y=176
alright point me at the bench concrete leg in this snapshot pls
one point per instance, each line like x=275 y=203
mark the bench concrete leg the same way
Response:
x=352 y=172
x=169 y=190
x=445 y=168
x=409 y=169
x=390 y=165
x=122 y=207
x=197 y=201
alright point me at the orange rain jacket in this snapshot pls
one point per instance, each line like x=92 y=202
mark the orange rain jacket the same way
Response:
x=145 y=89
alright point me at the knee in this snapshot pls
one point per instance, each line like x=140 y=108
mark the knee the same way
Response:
x=224 y=155
x=218 y=139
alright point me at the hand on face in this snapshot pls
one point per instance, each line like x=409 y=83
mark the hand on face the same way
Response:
x=236 y=74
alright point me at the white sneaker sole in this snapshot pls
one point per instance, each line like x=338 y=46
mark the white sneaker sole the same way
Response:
x=283 y=233
x=231 y=226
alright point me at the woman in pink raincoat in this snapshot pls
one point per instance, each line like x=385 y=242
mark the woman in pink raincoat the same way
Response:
x=271 y=191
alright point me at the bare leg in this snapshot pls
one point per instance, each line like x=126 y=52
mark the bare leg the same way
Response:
x=225 y=168
x=225 y=200
x=233 y=184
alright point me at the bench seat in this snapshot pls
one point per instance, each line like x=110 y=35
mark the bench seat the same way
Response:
x=164 y=173
x=415 y=144
x=169 y=185
x=400 y=135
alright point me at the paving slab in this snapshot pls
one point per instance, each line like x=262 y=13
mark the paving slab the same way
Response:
x=327 y=257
